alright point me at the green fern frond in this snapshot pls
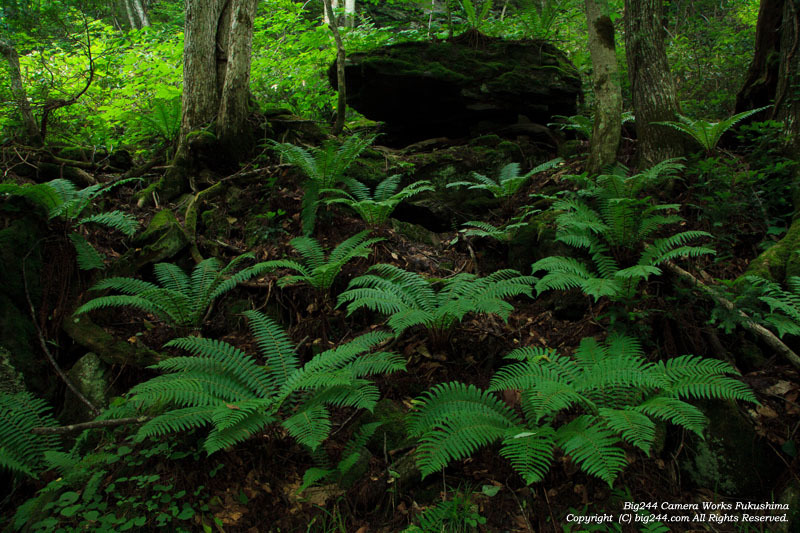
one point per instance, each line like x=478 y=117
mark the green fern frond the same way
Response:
x=708 y=134
x=22 y=452
x=676 y=411
x=122 y=222
x=309 y=426
x=530 y=451
x=634 y=426
x=593 y=447
x=87 y=256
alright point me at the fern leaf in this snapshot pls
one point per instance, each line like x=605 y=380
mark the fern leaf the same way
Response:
x=122 y=222
x=87 y=256
x=634 y=427
x=310 y=426
x=676 y=411
x=530 y=451
x=593 y=447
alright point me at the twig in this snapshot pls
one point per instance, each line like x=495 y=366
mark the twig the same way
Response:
x=760 y=331
x=43 y=344
x=95 y=424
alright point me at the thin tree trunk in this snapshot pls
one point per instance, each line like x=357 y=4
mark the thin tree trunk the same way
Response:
x=32 y=134
x=126 y=4
x=141 y=14
x=341 y=104
x=761 y=82
x=607 y=129
x=654 y=94
x=233 y=132
x=350 y=13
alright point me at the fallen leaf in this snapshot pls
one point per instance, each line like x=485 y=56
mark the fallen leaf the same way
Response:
x=780 y=388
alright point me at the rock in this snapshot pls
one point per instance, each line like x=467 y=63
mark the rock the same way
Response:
x=91 y=377
x=10 y=380
x=732 y=460
x=455 y=89
x=791 y=497
x=163 y=238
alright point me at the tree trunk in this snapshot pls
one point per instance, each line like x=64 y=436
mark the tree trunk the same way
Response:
x=350 y=13
x=140 y=13
x=341 y=88
x=787 y=93
x=32 y=134
x=654 y=95
x=762 y=76
x=607 y=129
x=233 y=130
x=216 y=74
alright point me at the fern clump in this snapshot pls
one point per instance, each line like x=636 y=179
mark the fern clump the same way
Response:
x=508 y=182
x=616 y=391
x=315 y=267
x=618 y=234
x=178 y=299
x=221 y=386
x=324 y=167
x=375 y=207
x=411 y=300
x=708 y=134
x=61 y=199
x=22 y=452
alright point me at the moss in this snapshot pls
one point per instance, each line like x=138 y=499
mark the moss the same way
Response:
x=91 y=377
x=163 y=238
x=781 y=260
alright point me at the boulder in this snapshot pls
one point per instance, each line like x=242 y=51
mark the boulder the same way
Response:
x=461 y=87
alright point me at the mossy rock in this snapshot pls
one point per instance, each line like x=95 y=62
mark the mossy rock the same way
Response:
x=732 y=460
x=454 y=89
x=163 y=238
x=11 y=381
x=92 y=377
x=782 y=260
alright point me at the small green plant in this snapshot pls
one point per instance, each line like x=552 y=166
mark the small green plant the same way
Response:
x=324 y=167
x=618 y=391
x=508 y=182
x=455 y=515
x=221 y=386
x=316 y=269
x=707 y=134
x=351 y=454
x=115 y=488
x=63 y=201
x=476 y=18
x=411 y=300
x=375 y=208
x=180 y=300
x=22 y=452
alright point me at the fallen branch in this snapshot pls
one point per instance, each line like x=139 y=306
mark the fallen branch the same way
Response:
x=758 y=330
x=95 y=424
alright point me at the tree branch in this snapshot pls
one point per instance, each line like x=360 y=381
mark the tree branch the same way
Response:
x=94 y=424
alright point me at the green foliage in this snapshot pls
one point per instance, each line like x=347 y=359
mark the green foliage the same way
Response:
x=508 y=182
x=374 y=208
x=22 y=452
x=350 y=457
x=456 y=515
x=475 y=18
x=111 y=489
x=765 y=302
x=412 y=300
x=221 y=386
x=621 y=228
x=580 y=124
x=316 y=269
x=617 y=389
x=63 y=201
x=324 y=167
x=707 y=134
x=179 y=299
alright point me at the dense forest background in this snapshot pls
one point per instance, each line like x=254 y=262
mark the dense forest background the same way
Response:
x=399 y=265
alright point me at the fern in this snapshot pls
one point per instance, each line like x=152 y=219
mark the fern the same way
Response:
x=315 y=268
x=375 y=208
x=765 y=302
x=508 y=182
x=412 y=300
x=324 y=167
x=221 y=386
x=708 y=134
x=616 y=390
x=178 y=299
x=613 y=233
x=22 y=452
x=62 y=200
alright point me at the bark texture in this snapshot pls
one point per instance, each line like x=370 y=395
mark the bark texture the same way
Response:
x=32 y=134
x=787 y=92
x=217 y=46
x=341 y=87
x=652 y=85
x=607 y=129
